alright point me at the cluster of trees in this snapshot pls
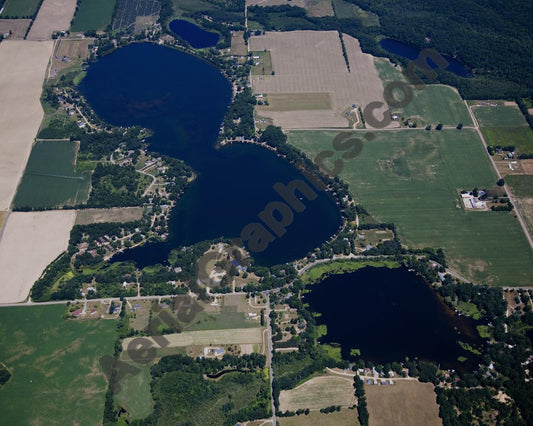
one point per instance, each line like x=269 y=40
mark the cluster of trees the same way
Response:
x=239 y=120
x=362 y=410
x=115 y=186
x=96 y=146
x=5 y=375
x=179 y=389
x=157 y=280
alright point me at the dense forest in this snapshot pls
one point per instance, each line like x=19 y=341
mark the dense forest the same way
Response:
x=493 y=39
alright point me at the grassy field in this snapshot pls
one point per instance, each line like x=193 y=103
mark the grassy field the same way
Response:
x=263 y=64
x=93 y=15
x=343 y=10
x=501 y=115
x=296 y=102
x=433 y=104
x=319 y=392
x=51 y=179
x=343 y=266
x=522 y=184
x=411 y=178
x=134 y=394
x=57 y=379
x=20 y=8
x=525 y=206
x=521 y=137
x=345 y=417
x=206 y=338
x=118 y=214
x=405 y=403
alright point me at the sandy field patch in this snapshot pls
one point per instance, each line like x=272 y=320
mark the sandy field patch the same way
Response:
x=30 y=241
x=319 y=392
x=527 y=166
x=312 y=61
x=115 y=214
x=54 y=15
x=17 y=27
x=235 y=336
x=22 y=70
x=3 y=215
x=405 y=403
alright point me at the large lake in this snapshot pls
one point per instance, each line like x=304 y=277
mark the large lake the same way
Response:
x=183 y=99
x=391 y=314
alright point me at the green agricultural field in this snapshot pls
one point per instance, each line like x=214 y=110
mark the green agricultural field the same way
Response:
x=522 y=184
x=93 y=15
x=433 y=104
x=57 y=379
x=521 y=137
x=51 y=179
x=412 y=178
x=504 y=116
x=20 y=8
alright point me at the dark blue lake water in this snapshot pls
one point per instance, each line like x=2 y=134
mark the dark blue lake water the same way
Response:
x=183 y=100
x=194 y=35
x=401 y=49
x=390 y=314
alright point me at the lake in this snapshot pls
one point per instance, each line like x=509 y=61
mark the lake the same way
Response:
x=183 y=99
x=401 y=49
x=194 y=35
x=391 y=314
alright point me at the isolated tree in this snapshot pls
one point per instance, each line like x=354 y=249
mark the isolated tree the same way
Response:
x=501 y=182
x=439 y=126
x=459 y=126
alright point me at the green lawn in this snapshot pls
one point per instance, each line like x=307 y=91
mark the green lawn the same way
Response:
x=51 y=179
x=20 y=8
x=522 y=184
x=521 y=137
x=504 y=116
x=433 y=104
x=93 y=15
x=412 y=178
x=57 y=379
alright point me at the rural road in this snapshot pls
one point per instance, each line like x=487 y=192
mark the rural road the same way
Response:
x=270 y=354
x=506 y=187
